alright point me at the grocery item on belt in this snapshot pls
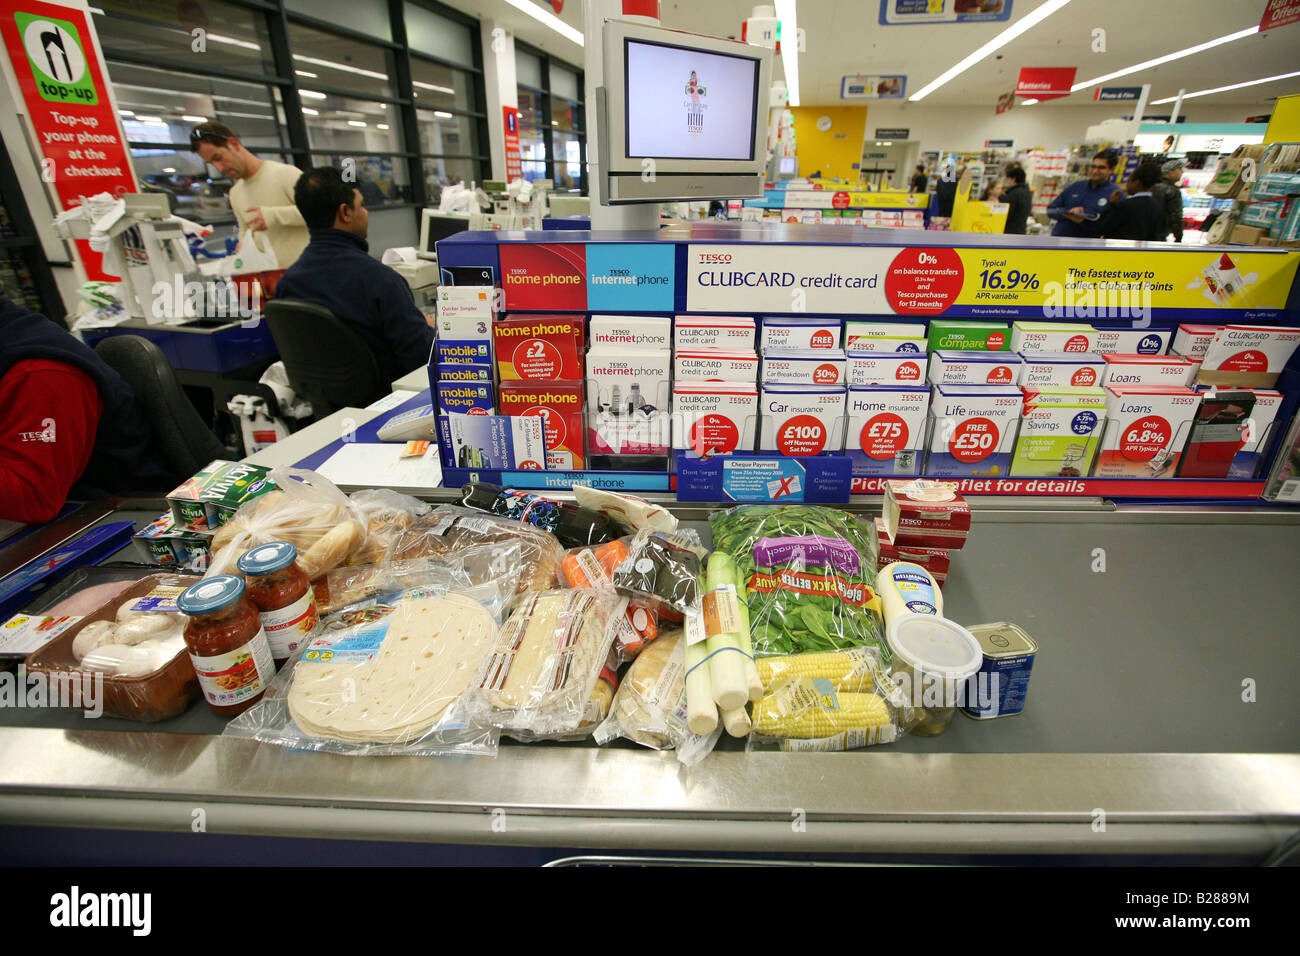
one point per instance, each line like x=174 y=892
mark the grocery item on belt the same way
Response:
x=661 y=567
x=212 y=496
x=925 y=513
x=630 y=511
x=307 y=510
x=544 y=665
x=907 y=588
x=933 y=659
x=935 y=560
x=449 y=529
x=571 y=525
x=386 y=514
x=809 y=573
x=386 y=682
x=1000 y=687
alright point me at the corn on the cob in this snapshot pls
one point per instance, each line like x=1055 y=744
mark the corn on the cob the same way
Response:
x=848 y=671
x=856 y=712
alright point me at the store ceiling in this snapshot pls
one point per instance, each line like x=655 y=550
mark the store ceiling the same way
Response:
x=843 y=36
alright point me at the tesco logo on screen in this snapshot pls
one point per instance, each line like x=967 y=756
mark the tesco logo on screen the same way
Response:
x=714 y=257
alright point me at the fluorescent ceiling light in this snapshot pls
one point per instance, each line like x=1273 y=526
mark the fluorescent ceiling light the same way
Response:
x=195 y=119
x=442 y=114
x=381 y=126
x=306 y=73
x=248 y=115
x=1147 y=64
x=788 y=19
x=1234 y=86
x=169 y=169
x=237 y=99
x=431 y=86
x=997 y=43
x=310 y=112
x=331 y=65
x=231 y=41
x=311 y=94
x=125 y=113
x=360 y=123
x=151 y=120
x=1029 y=102
x=550 y=19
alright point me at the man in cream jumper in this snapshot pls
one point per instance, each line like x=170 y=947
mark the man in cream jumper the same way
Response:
x=262 y=197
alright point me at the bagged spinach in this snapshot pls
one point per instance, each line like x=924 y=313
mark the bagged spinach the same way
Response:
x=810 y=572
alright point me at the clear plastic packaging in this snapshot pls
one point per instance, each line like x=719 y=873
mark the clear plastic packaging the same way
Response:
x=663 y=568
x=827 y=701
x=810 y=573
x=547 y=659
x=386 y=514
x=385 y=680
x=139 y=656
x=496 y=563
x=593 y=566
x=452 y=528
x=307 y=510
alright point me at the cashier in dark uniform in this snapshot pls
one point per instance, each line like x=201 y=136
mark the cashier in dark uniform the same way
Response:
x=69 y=424
x=1078 y=206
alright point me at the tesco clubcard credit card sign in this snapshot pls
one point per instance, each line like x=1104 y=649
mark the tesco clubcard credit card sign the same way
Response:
x=630 y=277
x=687 y=104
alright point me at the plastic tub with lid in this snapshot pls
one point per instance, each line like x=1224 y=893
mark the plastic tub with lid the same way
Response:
x=933 y=658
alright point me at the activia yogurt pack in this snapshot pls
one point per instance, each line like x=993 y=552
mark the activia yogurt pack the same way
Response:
x=886 y=429
x=1059 y=432
x=973 y=429
x=974 y=368
x=802 y=420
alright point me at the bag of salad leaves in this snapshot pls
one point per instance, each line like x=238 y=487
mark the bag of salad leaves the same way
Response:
x=810 y=572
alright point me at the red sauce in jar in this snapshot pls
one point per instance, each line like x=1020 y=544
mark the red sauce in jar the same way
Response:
x=227 y=645
x=283 y=596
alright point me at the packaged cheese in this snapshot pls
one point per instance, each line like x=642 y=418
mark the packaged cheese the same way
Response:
x=546 y=661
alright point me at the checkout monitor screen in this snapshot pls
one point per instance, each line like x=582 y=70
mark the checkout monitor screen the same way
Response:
x=689 y=104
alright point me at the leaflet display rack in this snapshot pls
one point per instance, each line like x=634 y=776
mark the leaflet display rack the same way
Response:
x=904 y=275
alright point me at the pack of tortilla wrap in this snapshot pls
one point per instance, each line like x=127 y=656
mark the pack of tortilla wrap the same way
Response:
x=385 y=679
x=539 y=677
x=650 y=706
x=496 y=563
x=452 y=528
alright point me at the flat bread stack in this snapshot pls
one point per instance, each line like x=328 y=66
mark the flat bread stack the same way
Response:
x=430 y=654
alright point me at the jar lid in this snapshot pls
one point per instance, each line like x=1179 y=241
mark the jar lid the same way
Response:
x=935 y=645
x=267 y=558
x=211 y=595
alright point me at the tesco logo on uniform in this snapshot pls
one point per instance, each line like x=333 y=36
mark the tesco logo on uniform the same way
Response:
x=715 y=257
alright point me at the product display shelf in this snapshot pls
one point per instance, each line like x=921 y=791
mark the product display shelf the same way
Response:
x=522 y=262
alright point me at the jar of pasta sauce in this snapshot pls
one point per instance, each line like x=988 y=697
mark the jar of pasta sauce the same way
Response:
x=227 y=645
x=283 y=596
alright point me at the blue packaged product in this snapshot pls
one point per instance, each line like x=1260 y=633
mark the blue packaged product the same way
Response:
x=1001 y=685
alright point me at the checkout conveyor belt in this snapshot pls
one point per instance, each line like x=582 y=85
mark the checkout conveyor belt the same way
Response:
x=1152 y=625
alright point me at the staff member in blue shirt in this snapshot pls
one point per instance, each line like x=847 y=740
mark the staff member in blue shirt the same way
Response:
x=1078 y=206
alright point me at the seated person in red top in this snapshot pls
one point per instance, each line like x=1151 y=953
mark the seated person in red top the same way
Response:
x=69 y=424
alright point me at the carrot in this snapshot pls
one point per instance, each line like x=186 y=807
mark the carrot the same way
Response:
x=609 y=556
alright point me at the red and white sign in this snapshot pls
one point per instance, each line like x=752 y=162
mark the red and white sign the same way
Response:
x=1005 y=102
x=55 y=55
x=1279 y=13
x=544 y=276
x=514 y=166
x=1045 y=82
x=1089 y=487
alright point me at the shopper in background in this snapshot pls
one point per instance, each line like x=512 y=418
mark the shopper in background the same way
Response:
x=1169 y=194
x=1021 y=201
x=1078 y=206
x=337 y=271
x=69 y=424
x=1140 y=216
x=945 y=190
x=920 y=181
x=993 y=191
x=262 y=197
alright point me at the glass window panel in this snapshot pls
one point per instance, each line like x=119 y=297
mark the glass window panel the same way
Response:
x=528 y=69
x=164 y=106
x=364 y=16
x=341 y=123
x=329 y=60
x=438 y=85
x=443 y=171
x=196 y=191
x=532 y=171
x=568 y=162
x=383 y=180
x=565 y=115
x=530 y=107
x=233 y=38
x=532 y=143
x=564 y=82
x=428 y=33
x=444 y=133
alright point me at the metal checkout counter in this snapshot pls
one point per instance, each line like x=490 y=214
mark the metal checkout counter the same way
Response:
x=1136 y=744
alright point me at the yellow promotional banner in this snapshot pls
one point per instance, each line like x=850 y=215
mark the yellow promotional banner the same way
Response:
x=847 y=199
